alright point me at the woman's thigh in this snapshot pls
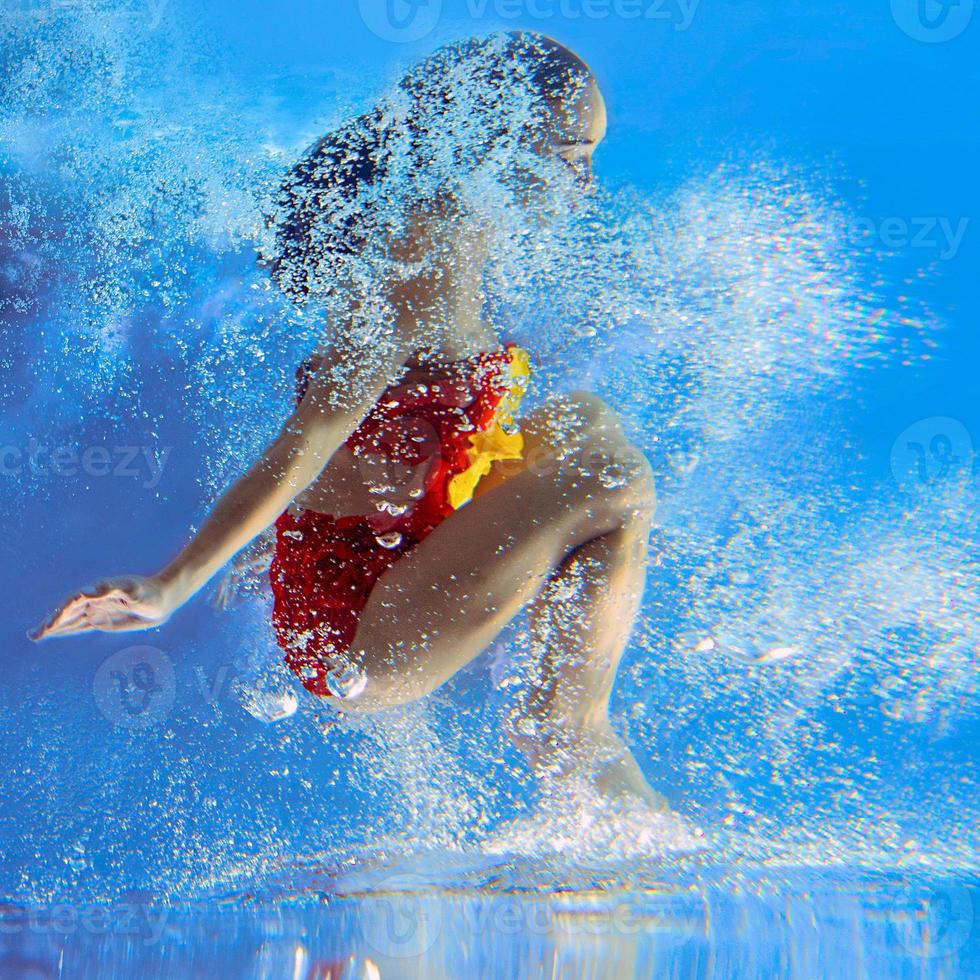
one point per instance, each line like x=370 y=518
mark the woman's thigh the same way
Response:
x=445 y=601
x=563 y=425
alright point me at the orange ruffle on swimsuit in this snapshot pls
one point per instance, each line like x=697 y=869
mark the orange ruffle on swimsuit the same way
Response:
x=423 y=448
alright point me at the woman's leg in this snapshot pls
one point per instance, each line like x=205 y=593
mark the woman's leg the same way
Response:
x=583 y=498
x=443 y=603
x=580 y=624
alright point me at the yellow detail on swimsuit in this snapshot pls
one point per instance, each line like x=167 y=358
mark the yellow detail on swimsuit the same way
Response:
x=499 y=440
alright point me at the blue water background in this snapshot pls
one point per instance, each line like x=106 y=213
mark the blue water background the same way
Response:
x=887 y=124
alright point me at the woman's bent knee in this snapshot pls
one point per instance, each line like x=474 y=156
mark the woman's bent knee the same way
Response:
x=603 y=458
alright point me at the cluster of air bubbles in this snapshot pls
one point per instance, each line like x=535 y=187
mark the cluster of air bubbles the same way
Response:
x=591 y=831
x=408 y=748
x=721 y=318
x=122 y=173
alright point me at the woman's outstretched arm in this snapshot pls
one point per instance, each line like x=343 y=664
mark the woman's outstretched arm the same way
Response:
x=340 y=394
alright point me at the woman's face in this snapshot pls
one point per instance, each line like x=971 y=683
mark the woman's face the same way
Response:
x=567 y=139
x=579 y=128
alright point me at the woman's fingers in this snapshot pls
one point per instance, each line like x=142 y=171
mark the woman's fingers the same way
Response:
x=91 y=614
x=66 y=620
x=69 y=610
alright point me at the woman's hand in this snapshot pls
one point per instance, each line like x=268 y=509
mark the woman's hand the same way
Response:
x=130 y=602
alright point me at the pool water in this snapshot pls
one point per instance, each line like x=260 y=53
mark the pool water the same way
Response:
x=785 y=923
x=774 y=285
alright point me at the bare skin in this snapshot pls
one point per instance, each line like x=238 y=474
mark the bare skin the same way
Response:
x=562 y=532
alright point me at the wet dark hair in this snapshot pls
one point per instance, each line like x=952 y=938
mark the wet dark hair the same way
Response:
x=332 y=199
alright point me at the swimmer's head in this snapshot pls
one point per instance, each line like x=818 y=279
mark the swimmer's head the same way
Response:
x=478 y=127
x=493 y=97
x=574 y=120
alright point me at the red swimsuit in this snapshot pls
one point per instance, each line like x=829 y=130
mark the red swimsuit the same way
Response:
x=422 y=449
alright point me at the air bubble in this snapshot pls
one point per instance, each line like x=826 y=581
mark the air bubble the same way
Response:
x=613 y=476
x=683 y=464
x=269 y=704
x=346 y=682
x=77 y=860
x=390 y=540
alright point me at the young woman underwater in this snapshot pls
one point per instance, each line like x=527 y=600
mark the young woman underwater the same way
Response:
x=413 y=518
